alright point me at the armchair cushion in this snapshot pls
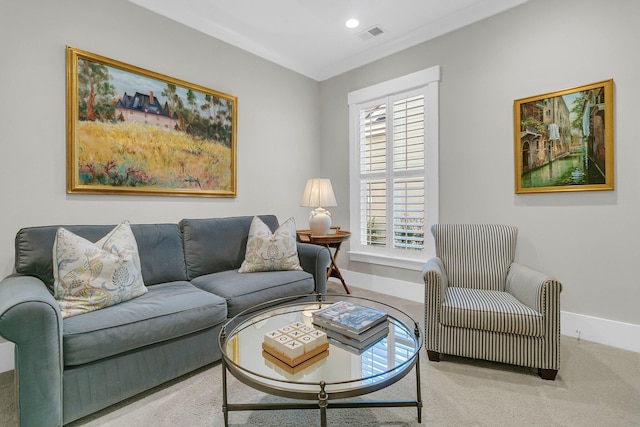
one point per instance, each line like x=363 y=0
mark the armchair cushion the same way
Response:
x=476 y=255
x=489 y=311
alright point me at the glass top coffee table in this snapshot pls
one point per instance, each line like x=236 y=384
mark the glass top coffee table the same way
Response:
x=335 y=375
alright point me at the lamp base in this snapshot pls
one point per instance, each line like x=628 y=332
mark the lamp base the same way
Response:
x=319 y=221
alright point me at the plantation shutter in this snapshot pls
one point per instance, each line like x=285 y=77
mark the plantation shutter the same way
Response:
x=373 y=170
x=408 y=166
x=392 y=184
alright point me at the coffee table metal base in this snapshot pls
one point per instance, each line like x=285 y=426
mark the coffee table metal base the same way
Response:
x=323 y=402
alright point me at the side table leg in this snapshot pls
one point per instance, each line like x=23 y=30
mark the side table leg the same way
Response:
x=333 y=270
x=332 y=264
x=322 y=403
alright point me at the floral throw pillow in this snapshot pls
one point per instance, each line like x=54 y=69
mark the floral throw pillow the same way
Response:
x=271 y=252
x=89 y=276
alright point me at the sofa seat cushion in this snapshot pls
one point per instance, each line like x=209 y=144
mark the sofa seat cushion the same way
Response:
x=166 y=311
x=489 y=311
x=243 y=290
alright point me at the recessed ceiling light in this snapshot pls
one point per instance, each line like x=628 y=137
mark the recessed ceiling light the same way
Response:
x=352 y=23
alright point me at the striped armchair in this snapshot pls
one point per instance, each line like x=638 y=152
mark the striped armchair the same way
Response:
x=480 y=304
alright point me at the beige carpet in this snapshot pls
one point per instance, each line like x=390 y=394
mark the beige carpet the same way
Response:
x=596 y=386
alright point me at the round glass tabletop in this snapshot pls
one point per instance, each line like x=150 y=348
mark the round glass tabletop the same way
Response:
x=343 y=371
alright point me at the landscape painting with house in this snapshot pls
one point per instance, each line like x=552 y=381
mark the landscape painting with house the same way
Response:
x=135 y=132
x=563 y=140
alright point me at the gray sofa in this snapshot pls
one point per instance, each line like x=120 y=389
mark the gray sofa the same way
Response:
x=66 y=369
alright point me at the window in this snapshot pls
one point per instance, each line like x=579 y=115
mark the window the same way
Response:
x=394 y=169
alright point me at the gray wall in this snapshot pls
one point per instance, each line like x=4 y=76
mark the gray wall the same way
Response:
x=278 y=127
x=588 y=240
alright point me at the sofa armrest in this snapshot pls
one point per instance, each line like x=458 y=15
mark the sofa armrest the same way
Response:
x=532 y=288
x=30 y=318
x=435 y=284
x=315 y=259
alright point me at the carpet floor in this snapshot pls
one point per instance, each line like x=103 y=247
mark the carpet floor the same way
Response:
x=596 y=386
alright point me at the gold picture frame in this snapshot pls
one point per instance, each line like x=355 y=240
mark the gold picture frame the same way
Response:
x=564 y=140
x=137 y=132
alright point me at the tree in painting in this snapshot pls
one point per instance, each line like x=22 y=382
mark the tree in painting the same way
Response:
x=94 y=92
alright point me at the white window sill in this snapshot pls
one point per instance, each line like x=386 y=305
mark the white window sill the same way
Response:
x=406 y=263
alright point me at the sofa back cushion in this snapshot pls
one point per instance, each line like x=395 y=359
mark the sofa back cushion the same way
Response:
x=159 y=247
x=213 y=245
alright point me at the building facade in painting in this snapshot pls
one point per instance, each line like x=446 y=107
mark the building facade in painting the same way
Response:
x=146 y=109
x=545 y=132
x=593 y=126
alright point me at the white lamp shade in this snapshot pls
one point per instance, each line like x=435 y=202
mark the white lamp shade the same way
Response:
x=318 y=192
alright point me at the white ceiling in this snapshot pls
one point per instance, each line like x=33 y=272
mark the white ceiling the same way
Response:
x=310 y=36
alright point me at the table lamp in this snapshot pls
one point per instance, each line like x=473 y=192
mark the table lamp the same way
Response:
x=319 y=193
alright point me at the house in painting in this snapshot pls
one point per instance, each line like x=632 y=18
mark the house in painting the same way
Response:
x=532 y=136
x=146 y=109
x=545 y=132
x=557 y=121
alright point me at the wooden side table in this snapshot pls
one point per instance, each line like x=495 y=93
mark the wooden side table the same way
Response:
x=332 y=240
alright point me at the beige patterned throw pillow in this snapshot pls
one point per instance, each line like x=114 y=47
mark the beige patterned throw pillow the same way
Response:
x=271 y=252
x=89 y=276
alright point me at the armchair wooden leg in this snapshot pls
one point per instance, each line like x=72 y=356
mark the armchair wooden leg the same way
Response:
x=547 y=374
x=434 y=356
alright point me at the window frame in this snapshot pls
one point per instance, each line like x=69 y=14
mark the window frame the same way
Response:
x=426 y=82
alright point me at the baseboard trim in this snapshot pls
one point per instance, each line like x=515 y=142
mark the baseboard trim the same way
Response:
x=384 y=285
x=603 y=331
x=621 y=335
x=6 y=356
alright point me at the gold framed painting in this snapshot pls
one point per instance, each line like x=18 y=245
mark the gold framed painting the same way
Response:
x=564 y=140
x=138 y=132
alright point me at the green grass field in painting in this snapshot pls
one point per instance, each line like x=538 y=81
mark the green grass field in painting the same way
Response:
x=137 y=155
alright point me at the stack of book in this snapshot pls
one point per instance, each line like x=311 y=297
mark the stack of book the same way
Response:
x=353 y=325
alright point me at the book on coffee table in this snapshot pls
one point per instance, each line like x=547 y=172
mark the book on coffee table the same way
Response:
x=351 y=320
x=358 y=346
